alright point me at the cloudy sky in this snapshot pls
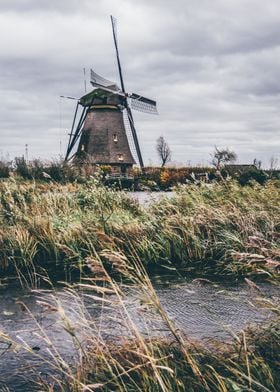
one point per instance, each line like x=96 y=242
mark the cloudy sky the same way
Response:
x=212 y=65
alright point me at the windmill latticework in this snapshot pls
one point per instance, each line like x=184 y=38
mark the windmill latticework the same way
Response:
x=130 y=136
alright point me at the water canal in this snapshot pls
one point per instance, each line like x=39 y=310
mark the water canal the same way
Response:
x=37 y=321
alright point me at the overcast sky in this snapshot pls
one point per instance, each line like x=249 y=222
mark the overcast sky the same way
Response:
x=212 y=66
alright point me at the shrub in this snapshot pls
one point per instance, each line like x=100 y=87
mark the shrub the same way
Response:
x=252 y=175
x=36 y=169
x=21 y=168
x=4 y=170
x=58 y=171
x=165 y=178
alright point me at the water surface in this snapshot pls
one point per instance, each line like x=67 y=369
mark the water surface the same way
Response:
x=38 y=321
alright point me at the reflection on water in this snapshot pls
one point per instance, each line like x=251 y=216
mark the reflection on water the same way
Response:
x=36 y=320
x=146 y=197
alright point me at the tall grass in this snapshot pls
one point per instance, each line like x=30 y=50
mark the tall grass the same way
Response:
x=219 y=229
x=133 y=360
x=174 y=363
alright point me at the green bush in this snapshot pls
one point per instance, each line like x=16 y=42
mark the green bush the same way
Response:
x=59 y=171
x=36 y=169
x=4 y=170
x=21 y=168
x=252 y=175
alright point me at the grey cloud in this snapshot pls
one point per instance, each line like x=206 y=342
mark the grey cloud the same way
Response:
x=63 y=6
x=213 y=67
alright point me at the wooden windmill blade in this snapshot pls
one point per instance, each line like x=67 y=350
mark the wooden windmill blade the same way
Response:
x=114 y=28
x=135 y=138
x=130 y=117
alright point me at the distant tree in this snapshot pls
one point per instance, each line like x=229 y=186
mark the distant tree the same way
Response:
x=273 y=163
x=22 y=168
x=222 y=156
x=257 y=163
x=163 y=151
x=274 y=167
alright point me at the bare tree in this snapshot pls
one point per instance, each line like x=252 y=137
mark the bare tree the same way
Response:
x=163 y=150
x=222 y=156
x=257 y=163
x=274 y=163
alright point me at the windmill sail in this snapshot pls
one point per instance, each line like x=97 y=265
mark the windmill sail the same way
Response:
x=143 y=104
x=130 y=136
x=135 y=138
x=114 y=28
x=130 y=117
x=98 y=81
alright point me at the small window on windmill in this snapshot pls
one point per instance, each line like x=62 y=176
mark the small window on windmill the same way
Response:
x=83 y=147
x=115 y=138
x=120 y=157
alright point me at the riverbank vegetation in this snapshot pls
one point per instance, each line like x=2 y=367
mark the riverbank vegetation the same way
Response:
x=216 y=229
x=152 y=178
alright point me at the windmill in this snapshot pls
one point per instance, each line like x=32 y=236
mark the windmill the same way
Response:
x=105 y=131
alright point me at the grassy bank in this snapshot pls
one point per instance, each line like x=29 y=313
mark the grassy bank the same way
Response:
x=221 y=229
x=247 y=365
x=151 y=178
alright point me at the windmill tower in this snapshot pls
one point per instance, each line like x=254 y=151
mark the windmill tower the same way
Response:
x=105 y=132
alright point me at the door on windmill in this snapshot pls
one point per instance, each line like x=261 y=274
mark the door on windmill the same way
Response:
x=123 y=169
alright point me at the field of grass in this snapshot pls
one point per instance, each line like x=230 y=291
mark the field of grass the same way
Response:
x=212 y=229
x=221 y=229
